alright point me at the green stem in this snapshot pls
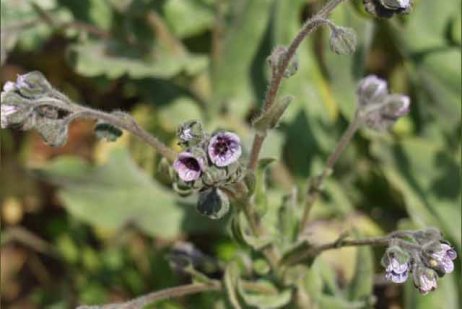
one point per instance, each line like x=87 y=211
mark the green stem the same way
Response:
x=315 y=187
x=314 y=251
x=153 y=297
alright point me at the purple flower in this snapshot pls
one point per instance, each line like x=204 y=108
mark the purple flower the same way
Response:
x=188 y=166
x=224 y=148
x=396 y=263
x=371 y=89
x=444 y=258
x=397 y=271
x=425 y=279
x=384 y=115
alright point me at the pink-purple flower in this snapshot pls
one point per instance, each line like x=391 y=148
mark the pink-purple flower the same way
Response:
x=189 y=166
x=371 y=89
x=444 y=258
x=397 y=271
x=224 y=148
x=425 y=279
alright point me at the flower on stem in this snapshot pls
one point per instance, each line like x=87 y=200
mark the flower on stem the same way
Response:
x=189 y=166
x=15 y=111
x=371 y=89
x=224 y=148
x=425 y=279
x=441 y=259
x=387 y=8
x=190 y=133
x=378 y=109
x=397 y=264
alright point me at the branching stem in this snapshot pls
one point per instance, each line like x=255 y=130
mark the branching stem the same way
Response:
x=278 y=74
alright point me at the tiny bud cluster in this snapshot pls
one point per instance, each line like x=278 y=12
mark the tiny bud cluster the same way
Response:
x=21 y=108
x=377 y=108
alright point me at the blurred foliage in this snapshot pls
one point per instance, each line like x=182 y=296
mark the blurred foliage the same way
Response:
x=84 y=224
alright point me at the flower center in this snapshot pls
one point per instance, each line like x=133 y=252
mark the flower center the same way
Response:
x=221 y=146
x=192 y=164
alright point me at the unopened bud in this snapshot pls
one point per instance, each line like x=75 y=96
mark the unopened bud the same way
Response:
x=104 y=130
x=33 y=85
x=387 y=8
x=53 y=132
x=342 y=40
x=213 y=203
x=190 y=133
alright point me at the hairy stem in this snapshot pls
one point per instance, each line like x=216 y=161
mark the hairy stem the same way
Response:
x=122 y=120
x=153 y=297
x=275 y=83
x=315 y=187
x=342 y=242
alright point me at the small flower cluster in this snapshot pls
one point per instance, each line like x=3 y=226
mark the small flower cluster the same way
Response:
x=387 y=8
x=207 y=164
x=377 y=107
x=23 y=105
x=427 y=256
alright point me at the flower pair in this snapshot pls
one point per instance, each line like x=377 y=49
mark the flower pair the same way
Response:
x=223 y=149
x=378 y=109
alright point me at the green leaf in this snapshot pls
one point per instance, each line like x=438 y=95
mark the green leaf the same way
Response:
x=361 y=286
x=428 y=178
x=239 y=229
x=187 y=18
x=114 y=195
x=264 y=295
x=288 y=218
x=435 y=62
x=260 y=196
x=232 y=77
x=92 y=59
x=230 y=281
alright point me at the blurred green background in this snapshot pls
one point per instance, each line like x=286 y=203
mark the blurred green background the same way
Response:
x=91 y=222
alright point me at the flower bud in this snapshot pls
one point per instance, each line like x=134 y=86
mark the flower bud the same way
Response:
x=425 y=279
x=213 y=203
x=396 y=4
x=427 y=235
x=32 y=85
x=387 y=8
x=371 y=90
x=190 y=133
x=214 y=176
x=53 y=132
x=342 y=40
x=104 y=130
